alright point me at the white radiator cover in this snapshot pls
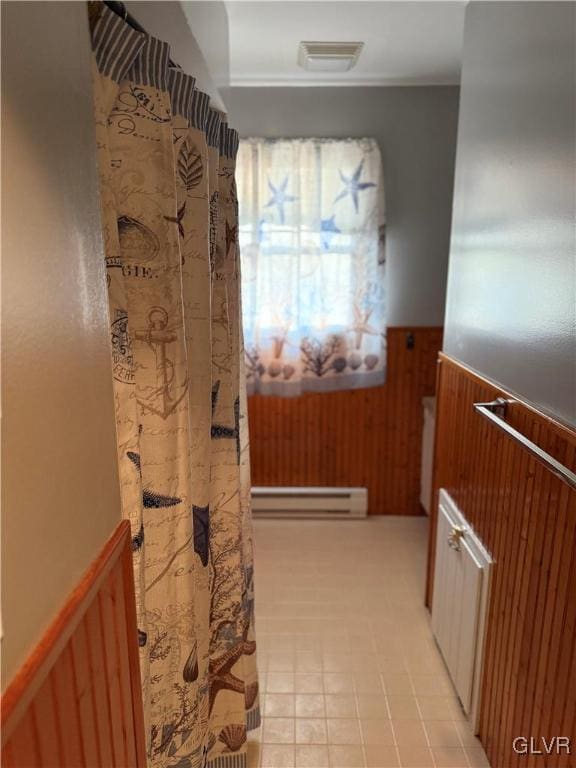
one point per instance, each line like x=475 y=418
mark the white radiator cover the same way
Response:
x=288 y=502
x=461 y=590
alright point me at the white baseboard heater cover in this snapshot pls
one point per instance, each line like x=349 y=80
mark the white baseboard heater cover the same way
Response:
x=333 y=503
x=460 y=602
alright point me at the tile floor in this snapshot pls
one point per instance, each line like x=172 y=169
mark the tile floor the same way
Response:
x=350 y=674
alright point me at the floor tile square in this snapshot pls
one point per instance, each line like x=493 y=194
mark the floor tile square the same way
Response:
x=365 y=663
x=372 y=705
x=397 y=683
x=368 y=683
x=310 y=705
x=308 y=661
x=312 y=756
x=381 y=756
x=336 y=682
x=337 y=662
x=311 y=731
x=346 y=757
x=279 y=705
x=344 y=731
x=409 y=733
x=415 y=757
x=306 y=643
x=281 y=642
x=280 y=682
x=437 y=707
x=280 y=661
x=442 y=733
x=340 y=705
x=277 y=756
x=377 y=732
x=278 y=730
x=449 y=757
x=431 y=685
x=313 y=682
x=391 y=664
x=403 y=707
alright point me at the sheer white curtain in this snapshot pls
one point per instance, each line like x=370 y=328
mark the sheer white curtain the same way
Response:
x=312 y=233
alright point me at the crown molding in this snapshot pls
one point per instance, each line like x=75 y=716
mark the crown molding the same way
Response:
x=323 y=82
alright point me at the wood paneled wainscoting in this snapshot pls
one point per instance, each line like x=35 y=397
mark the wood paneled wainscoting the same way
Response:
x=526 y=517
x=365 y=437
x=77 y=700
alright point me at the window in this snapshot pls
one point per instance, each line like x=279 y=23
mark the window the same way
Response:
x=312 y=247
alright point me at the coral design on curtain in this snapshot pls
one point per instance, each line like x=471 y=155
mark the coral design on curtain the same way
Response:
x=312 y=236
x=169 y=214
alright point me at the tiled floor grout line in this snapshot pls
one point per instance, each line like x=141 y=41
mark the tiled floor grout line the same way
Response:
x=462 y=744
x=364 y=755
x=396 y=747
x=416 y=698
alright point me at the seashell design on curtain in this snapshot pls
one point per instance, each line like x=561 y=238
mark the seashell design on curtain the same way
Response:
x=312 y=232
x=169 y=215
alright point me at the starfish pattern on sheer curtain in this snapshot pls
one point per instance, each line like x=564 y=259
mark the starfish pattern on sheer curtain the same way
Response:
x=312 y=235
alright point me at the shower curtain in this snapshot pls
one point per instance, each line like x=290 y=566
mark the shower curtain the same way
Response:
x=169 y=210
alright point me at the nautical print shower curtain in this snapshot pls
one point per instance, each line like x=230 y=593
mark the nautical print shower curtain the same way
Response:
x=169 y=210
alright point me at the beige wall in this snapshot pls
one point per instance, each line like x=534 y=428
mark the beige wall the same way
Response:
x=60 y=497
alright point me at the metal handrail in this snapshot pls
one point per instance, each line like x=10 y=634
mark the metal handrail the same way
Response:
x=495 y=411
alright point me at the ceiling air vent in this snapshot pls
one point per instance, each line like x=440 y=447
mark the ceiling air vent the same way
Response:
x=328 y=57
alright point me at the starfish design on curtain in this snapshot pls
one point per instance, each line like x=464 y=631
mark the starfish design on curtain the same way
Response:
x=328 y=229
x=138 y=539
x=353 y=185
x=231 y=236
x=151 y=499
x=222 y=678
x=201 y=517
x=280 y=197
x=361 y=326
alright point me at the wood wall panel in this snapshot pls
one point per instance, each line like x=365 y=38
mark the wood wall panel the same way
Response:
x=364 y=437
x=526 y=517
x=77 y=701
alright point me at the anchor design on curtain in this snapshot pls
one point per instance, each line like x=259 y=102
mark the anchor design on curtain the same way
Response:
x=167 y=393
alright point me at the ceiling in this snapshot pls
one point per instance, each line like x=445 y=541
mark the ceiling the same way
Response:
x=405 y=43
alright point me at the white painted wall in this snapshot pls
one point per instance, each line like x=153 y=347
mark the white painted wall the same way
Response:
x=60 y=493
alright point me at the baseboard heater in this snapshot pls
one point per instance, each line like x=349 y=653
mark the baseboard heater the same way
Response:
x=333 y=503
